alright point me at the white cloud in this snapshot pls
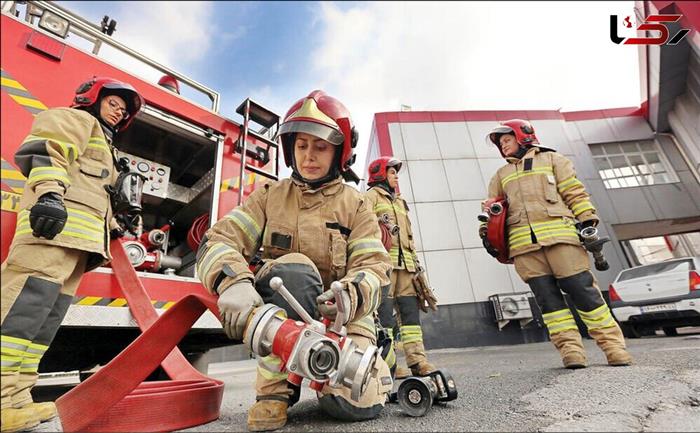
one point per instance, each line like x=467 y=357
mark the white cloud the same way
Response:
x=178 y=35
x=472 y=56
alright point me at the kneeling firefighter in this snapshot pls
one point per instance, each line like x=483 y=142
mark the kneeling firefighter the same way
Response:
x=313 y=230
x=409 y=289
x=63 y=231
x=547 y=207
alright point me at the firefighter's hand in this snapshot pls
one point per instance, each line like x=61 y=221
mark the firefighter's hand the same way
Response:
x=585 y=224
x=48 y=216
x=236 y=304
x=328 y=308
x=489 y=248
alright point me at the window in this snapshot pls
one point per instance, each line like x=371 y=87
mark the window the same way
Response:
x=632 y=163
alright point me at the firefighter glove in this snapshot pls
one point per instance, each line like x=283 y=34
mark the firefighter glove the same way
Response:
x=328 y=307
x=236 y=304
x=48 y=216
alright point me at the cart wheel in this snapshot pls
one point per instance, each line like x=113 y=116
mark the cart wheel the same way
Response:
x=415 y=397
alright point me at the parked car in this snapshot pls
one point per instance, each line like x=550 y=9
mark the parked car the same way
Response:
x=662 y=295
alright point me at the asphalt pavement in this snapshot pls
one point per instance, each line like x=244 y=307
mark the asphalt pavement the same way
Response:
x=516 y=388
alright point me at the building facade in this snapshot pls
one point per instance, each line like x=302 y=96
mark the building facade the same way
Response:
x=639 y=164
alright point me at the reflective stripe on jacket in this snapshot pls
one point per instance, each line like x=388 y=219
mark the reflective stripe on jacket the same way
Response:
x=332 y=225
x=545 y=198
x=67 y=153
x=403 y=249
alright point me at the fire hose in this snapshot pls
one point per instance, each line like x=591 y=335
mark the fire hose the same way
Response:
x=117 y=399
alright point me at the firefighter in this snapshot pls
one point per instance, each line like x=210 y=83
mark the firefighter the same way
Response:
x=63 y=230
x=547 y=207
x=313 y=230
x=406 y=293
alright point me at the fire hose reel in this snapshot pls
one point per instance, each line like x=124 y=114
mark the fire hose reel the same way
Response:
x=311 y=349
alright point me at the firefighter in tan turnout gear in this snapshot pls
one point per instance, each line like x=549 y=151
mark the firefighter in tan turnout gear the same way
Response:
x=409 y=289
x=62 y=232
x=313 y=230
x=545 y=201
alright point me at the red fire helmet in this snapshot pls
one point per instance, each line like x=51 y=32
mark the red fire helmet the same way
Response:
x=322 y=116
x=377 y=169
x=169 y=83
x=91 y=92
x=522 y=129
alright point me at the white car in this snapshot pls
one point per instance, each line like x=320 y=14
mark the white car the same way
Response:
x=661 y=295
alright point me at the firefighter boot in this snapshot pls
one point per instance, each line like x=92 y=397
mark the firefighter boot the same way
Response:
x=18 y=419
x=402 y=372
x=267 y=414
x=570 y=347
x=612 y=343
x=416 y=360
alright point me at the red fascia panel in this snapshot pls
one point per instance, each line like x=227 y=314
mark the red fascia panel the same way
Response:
x=544 y=115
x=383 y=137
x=689 y=9
x=415 y=116
x=447 y=116
x=603 y=114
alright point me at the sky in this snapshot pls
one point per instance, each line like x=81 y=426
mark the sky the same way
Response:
x=378 y=56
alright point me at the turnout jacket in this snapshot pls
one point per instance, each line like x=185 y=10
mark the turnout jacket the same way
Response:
x=403 y=250
x=67 y=153
x=332 y=225
x=545 y=198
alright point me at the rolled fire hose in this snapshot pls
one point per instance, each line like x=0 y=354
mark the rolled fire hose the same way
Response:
x=117 y=399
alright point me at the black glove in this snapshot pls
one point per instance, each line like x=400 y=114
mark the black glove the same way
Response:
x=48 y=216
x=489 y=248
x=116 y=233
x=584 y=224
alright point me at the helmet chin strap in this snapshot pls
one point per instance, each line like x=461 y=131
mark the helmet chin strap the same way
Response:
x=522 y=150
x=94 y=110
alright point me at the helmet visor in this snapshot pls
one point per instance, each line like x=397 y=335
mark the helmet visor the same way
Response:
x=492 y=136
x=316 y=129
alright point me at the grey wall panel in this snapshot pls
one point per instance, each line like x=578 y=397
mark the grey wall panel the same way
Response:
x=602 y=201
x=420 y=141
x=477 y=132
x=550 y=133
x=415 y=227
x=669 y=149
x=464 y=179
x=631 y=128
x=397 y=140
x=469 y=325
x=428 y=181
x=585 y=167
x=631 y=205
x=438 y=226
x=454 y=140
x=405 y=182
x=691 y=185
x=449 y=276
x=518 y=284
x=489 y=167
x=468 y=225
x=596 y=131
x=673 y=200
x=487 y=275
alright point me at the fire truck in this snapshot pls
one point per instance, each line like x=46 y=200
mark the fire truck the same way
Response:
x=198 y=166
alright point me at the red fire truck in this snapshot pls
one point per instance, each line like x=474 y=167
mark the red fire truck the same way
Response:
x=190 y=154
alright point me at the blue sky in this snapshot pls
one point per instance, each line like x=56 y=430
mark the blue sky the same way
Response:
x=376 y=56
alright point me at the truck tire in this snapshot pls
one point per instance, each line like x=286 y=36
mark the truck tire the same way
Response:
x=630 y=331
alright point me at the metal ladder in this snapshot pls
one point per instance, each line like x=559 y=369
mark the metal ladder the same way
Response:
x=252 y=111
